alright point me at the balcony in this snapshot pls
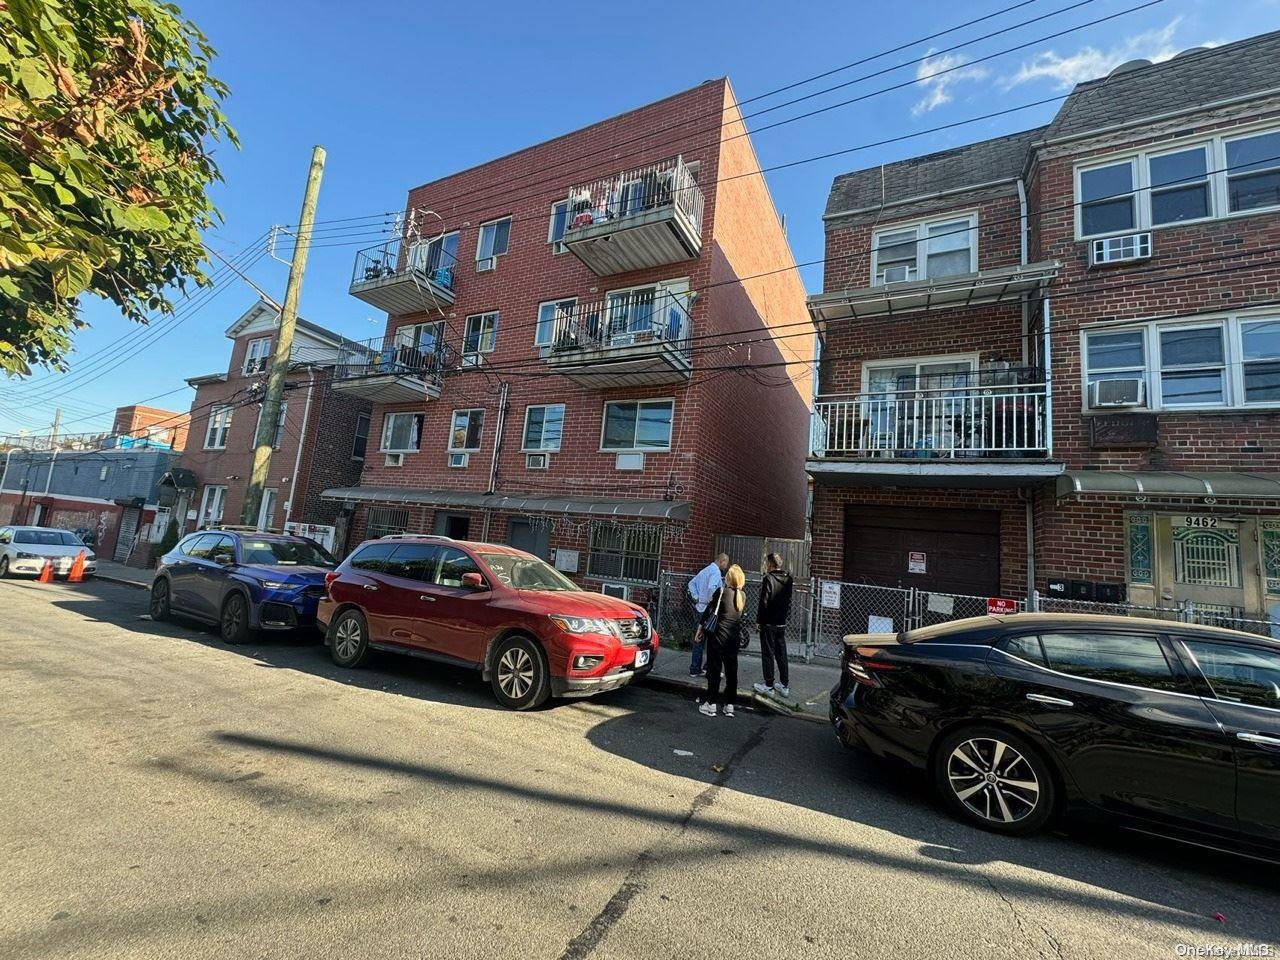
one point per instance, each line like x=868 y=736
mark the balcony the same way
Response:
x=384 y=370
x=639 y=338
x=404 y=277
x=984 y=429
x=646 y=217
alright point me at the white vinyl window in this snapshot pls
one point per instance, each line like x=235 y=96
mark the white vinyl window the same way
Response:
x=556 y=227
x=1253 y=172
x=929 y=250
x=480 y=334
x=215 y=437
x=256 y=355
x=437 y=257
x=492 y=242
x=212 y=500
x=1107 y=201
x=401 y=433
x=637 y=425
x=464 y=433
x=1231 y=361
x=275 y=443
x=1180 y=185
x=552 y=314
x=543 y=427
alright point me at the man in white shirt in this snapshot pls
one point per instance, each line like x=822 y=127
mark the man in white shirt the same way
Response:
x=701 y=588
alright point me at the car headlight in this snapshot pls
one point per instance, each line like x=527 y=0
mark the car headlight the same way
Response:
x=22 y=555
x=571 y=624
x=273 y=584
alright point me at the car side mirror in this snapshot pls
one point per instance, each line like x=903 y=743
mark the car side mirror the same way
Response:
x=223 y=560
x=473 y=581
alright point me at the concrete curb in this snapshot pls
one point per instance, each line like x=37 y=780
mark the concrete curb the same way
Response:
x=120 y=581
x=685 y=688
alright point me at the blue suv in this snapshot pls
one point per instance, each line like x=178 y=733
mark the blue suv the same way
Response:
x=242 y=580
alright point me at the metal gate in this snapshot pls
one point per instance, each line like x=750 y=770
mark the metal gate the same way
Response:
x=128 y=534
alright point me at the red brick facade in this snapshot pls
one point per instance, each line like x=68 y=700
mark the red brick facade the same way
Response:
x=1204 y=270
x=737 y=440
x=163 y=426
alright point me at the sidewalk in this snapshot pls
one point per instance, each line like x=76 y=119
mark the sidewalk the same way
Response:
x=113 y=572
x=810 y=682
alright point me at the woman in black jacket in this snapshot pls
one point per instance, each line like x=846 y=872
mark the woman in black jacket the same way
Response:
x=725 y=608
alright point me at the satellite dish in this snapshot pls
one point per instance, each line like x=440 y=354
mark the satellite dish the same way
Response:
x=1129 y=66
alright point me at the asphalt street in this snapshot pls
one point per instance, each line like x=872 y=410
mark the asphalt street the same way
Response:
x=167 y=796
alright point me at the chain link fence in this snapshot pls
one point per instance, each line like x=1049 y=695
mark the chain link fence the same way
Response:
x=842 y=608
x=676 y=618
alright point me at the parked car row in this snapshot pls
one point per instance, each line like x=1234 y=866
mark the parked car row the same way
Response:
x=25 y=550
x=1163 y=727
x=529 y=630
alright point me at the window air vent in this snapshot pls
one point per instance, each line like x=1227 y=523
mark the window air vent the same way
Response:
x=485 y=264
x=459 y=459
x=536 y=461
x=618 y=590
x=1130 y=392
x=898 y=274
x=1132 y=246
x=629 y=461
x=394 y=460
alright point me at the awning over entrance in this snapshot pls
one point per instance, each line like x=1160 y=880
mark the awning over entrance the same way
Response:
x=677 y=510
x=180 y=478
x=1222 y=485
x=978 y=473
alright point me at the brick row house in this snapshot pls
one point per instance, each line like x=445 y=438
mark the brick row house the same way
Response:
x=320 y=437
x=1051 y=361
x=580 y=358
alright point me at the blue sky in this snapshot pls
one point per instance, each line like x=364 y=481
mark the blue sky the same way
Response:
x=400 y=93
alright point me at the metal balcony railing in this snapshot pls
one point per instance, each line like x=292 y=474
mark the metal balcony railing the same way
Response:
x=419 y=259
x=388 y=356
x=633 y=193
x=956 y=421
x=624 y=320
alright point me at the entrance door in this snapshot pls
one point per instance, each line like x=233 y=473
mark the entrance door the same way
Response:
x=523 y=535
x=1208 y=567
x=456 y=526
x=128 y=534
x=267 y=512
x=959 y=550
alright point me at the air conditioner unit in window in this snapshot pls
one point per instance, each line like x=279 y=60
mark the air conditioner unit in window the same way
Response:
x=536 y=461
x=470 y=360
x=618 y=590
x=898 y=274
x=485 y=264
x=1132 y=246
x=394 y=460
x=459 y=459
x=629 y=461
x=1129 y=392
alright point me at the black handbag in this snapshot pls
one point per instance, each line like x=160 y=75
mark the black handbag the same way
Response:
x=711 y=617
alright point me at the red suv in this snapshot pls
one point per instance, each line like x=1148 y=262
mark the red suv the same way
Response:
x=530 y=630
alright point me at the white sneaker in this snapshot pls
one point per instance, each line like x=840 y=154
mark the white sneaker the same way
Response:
x=709 y=710
x=728 y=709
x=782 y=691
x=763 y=689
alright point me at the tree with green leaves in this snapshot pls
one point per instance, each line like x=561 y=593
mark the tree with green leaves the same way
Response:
x=107 y=119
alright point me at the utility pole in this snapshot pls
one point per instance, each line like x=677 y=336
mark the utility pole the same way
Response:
x=279 y=365
x=53 y=430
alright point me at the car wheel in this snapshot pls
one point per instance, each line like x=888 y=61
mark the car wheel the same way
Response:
x=520 y=677
x=4 y=566
x=160 y=609
x=995 y=780
x=349 y=639
x=234 y=622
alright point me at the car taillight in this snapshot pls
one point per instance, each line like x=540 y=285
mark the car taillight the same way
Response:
x=862 y=664
x=329 y=577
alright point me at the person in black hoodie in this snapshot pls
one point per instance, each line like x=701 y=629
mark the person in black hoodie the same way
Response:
x=771 y=618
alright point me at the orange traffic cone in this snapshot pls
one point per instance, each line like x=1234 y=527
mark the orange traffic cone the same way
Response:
x=76 y=575
x=46 y=573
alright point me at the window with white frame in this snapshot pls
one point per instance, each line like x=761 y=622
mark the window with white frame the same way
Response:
x=543 y=427
x=464 y=433
x=437 y=257
x=625 y=554
x=212 y=501
x=556 y=228
x=492 y=242
x=401 y=432
x=256 y=354
x=552 y=314
x=215 y=436
x=934 y=249
x=275 y=443
x=1222 y=176
x=642 y=425
x=480 y=334
x=360 y=440
x=1231 y=361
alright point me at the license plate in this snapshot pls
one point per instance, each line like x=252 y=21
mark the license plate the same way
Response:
x=642 y=657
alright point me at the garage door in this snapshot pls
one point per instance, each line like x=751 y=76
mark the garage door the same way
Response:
x=959 y=550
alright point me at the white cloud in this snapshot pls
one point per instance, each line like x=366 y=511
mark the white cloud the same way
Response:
x=937 y=75
x=1089 y=63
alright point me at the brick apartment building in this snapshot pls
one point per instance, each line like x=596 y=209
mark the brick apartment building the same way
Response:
x=320 y=438
x=138 y=425
x=1052 y=360
x=579 y=357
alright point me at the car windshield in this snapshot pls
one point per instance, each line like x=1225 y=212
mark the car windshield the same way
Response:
x=526 y=573
x=48 y=538
x=284 y=553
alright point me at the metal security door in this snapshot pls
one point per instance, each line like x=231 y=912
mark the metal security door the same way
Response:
x=128 y=534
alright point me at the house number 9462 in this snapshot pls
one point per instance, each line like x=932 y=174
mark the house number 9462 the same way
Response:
x=1193 y=521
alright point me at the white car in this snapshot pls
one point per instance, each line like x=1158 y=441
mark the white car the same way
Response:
x=24 y=550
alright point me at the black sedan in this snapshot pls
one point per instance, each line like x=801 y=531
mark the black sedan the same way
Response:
x=1160 y=726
